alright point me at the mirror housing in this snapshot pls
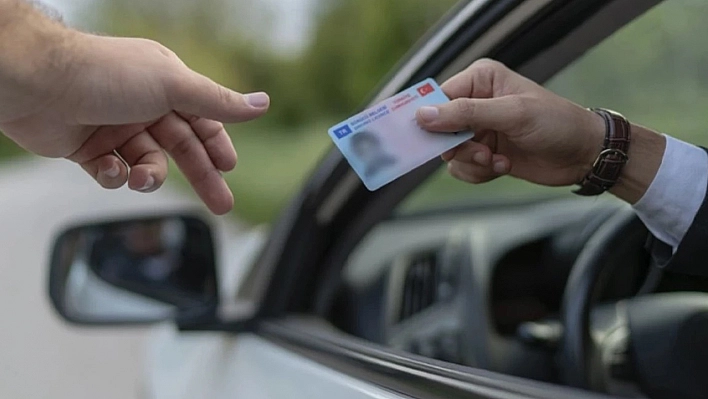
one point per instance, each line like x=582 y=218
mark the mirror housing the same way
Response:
x=136 y=271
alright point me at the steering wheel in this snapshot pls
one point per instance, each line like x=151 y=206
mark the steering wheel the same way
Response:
x=656 y=344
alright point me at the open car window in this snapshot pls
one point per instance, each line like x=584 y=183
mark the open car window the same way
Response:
x=397 y=294
x=652 y=71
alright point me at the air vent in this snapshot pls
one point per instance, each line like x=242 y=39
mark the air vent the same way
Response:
x=420 y=284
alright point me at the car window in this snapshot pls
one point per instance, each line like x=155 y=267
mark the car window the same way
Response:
x=652 y=71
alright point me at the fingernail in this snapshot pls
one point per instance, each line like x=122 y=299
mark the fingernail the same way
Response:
x=479 y=158
x=499 y=167
x=428 y=114
x=257 y=100
x=147 y=187
x=113 y=172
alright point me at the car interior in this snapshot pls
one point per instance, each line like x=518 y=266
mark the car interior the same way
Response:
x=534 y=282
x=488 y=288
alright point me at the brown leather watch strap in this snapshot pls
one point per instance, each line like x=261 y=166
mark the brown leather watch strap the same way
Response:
x=608 y=166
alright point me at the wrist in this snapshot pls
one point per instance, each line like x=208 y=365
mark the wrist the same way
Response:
x=32 y=45
x=37 y=53
x=594 y=142
x=646 y=151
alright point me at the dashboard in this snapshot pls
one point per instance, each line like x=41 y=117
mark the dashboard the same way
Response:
x=461 y=286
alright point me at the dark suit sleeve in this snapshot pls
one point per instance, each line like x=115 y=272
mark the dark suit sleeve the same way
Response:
x=691 y=256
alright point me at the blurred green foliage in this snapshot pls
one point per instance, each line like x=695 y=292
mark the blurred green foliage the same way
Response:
x=8 y=148
x=357 y=42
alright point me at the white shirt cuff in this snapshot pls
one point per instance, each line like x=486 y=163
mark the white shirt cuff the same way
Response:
x=677 y=192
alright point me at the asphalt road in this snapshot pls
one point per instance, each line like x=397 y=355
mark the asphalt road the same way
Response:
x=41 y=356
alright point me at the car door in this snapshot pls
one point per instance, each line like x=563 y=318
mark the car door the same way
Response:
x=304 y=326
x=294 y=348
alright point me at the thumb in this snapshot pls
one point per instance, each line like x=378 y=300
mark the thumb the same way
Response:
x=198 y=95
x=498 y=114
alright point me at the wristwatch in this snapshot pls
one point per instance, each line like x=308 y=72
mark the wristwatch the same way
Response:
x=607 y=168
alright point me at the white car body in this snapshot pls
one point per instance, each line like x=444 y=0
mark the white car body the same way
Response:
x=184 y=365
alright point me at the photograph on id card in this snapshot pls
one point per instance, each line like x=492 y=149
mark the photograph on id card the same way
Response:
x=385 y=142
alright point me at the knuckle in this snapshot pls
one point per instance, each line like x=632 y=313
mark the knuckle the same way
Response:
x=453 y=171
x=188 y=149
x=475 y=178
x=191 y=118
x=156 y=157
x=468 y=173
x=160 y=48
x=488 y=65
x=184 y=147
x=487 y=71
x=464 y=108
x=484 y=63
x=521 y=107
x=456 y=171
x=224 y=95
x=206 y=174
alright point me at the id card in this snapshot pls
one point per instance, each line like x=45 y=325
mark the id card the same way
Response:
x=385 y=142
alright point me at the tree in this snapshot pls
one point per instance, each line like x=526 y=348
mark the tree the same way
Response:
x=356 y=42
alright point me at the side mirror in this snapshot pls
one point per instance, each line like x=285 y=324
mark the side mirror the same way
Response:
x=135 y=271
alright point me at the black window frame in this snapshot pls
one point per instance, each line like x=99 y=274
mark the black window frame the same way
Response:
x=301 y=250
x=579 y=25
x=557 y=35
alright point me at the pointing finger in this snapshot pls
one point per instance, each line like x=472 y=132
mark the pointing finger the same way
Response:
x=216 y=141
x=198 y=95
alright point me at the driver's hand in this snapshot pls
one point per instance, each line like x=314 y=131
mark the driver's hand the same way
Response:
x=521 y=128
x=133 y=99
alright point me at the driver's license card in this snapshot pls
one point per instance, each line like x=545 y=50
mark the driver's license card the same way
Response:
x=385 y=142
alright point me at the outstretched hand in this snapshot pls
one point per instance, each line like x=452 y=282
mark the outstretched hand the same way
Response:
x=116 y=105
x=523 y=130
x=520 y=128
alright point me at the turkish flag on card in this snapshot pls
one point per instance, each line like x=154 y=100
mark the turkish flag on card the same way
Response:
x=426 y=89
